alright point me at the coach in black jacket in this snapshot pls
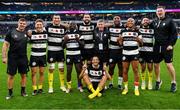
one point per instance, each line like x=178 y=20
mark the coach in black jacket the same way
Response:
x=165 y=39
x=101 y=37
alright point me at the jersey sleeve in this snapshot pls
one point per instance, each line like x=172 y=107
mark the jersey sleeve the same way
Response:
x=8 y=37
x=173 y=33
x=139 y=34
x=104 y=72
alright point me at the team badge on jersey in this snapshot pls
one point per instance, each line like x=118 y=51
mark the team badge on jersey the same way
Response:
x=15 y=36
x=68 y=60
x=51 y=59
x=123 y=58
x=95 y=73
x=135 y=58
x=140 y=59
x=111 y=60
x=33 y=63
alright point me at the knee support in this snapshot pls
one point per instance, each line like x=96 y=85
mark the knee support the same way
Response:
x=52 y=66
x=60 y=65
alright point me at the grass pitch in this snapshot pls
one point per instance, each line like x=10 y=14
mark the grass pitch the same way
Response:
x=111 y=99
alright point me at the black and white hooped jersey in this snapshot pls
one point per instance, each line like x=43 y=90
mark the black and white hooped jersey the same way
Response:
x=39 y=43
x=95 y=75
x=130 y=44
x=115 y=31
x=86 y=32
x=147 y=38
x=73 y=47
x=55 y=37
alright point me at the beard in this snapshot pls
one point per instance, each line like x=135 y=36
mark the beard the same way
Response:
x=72 y=29
x=161 y=16
x=86 y=21
x=146 y=24
x=116 y=23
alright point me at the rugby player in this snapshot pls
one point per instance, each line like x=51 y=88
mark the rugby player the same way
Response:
x=95 y=77
x=130 y=39
x=56 y=32
x=86 y=30
x=115 y=51
x=146 y=52
x=73 y=43
x=38 y=40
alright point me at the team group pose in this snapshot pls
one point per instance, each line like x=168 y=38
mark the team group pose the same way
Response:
x=94 y=49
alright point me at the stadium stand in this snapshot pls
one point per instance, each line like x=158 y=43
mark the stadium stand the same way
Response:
x=6 y=19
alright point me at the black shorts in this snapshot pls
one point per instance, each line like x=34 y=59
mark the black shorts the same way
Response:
x=53 y=56
x=146 y=57
x=38 y=61
x=161 y=53
x=103 y=56
x=95 y=85
x=115 y=56
x=129 y=58
x=17 y=63
x=87 y=54
x=70 y=59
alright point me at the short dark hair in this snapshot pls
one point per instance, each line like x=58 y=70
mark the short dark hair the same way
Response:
x=100 y=21
x=159 y=6
x=22 y=19
x=116 y=16
x=86 y=14
x=39 y=20
x=95 y=55
x=57 y=15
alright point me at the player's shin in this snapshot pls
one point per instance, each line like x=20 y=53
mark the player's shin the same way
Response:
x=150 y=80
x=50 y=80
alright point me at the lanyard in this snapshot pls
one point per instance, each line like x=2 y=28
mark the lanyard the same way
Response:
x=101 y=36
x=159 y=23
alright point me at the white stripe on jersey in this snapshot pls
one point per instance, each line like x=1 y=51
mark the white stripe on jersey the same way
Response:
x=88 y=46
x=55 y=48
x=127 y=34
x=39 y=36
x=114 y=30
x=130 y=52
x=56 y=30
x=38 y=53
x=78 y=52
x=55 y=40
x=94 y=80
x=146 y=49
x=73 y=36
x=87 y=37
x=147 y=40
x=130 y=43
x=146 y=31
x=72 y=45
x=86 y=28
x=95 y=73
x=114 y=39
x=39 y=45
x=114 y=47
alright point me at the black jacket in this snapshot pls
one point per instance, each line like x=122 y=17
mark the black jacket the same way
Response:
x=165 y=32
x=101 y=38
